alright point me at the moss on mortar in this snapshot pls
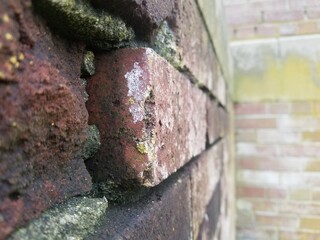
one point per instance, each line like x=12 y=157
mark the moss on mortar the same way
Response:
x=93 y=143
x=88 y=64
x=165 y=45
x=77 y=19
x=74 y=219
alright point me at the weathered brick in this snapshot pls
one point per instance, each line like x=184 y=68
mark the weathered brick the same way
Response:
x=209 y=226
x=214 y=121
x=195 y=48
x=204 y=178
x=145 y=16
x=152 y=120
x=253 y=232
x=165 y=213
x=43 y=119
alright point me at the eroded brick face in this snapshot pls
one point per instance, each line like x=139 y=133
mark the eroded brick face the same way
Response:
x=152 y=120
x=43 y=118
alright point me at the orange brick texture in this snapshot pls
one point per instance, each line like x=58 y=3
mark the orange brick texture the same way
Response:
x=278 y=162
x=272 y=18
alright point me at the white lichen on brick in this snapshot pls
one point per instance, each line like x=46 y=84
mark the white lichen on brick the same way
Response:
x=138 y=90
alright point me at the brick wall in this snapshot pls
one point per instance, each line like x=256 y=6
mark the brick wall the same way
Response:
x=276 y=95
x=250 y=19
x=278 y=170
x=116 y=130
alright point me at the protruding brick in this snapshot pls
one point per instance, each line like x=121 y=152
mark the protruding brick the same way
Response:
x=152 y=120
x=43 y=119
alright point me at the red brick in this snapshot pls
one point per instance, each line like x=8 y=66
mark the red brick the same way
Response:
x=151 y=118
x=257 y=123
x=43 y=119
x=204 y=178
x=249 y=108
x=195 y=48
x=275 y=193
x=214 y=121
x=283 y=16
x=165 y=213
x=250 y=192
x=248 y=163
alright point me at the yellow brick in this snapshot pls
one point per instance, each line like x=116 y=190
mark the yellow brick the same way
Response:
x=311 y=136
x=313 y=166
x=300 y=194
x=310 y=223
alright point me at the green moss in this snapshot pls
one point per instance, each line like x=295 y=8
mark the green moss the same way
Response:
x=76 y=19
x=74 y=219
x=88 y=64
x=118 y=193
x=92 y=144
x=142 y=148
x=166 y=46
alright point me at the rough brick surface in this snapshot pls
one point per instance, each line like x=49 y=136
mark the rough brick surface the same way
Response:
x=204 y=178
x=151 y=118
x=163 y=214
x=145 y=16
x=43 y=119
x=197 y=54
x=187 y=205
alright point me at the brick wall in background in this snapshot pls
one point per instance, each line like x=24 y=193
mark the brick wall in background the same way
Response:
x=249 y=19
x=277 y=108
x=278 y=162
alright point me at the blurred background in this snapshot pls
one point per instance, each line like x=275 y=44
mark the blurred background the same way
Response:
x=276 y=51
